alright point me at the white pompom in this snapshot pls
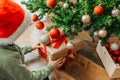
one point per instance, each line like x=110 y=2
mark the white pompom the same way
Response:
x=114 y=46
x=70 y=45
x=45 y=39
x=65 y=5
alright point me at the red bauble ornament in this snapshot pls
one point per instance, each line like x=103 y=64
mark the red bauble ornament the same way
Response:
x=98 y=10
x=51 y=3
x=111 y=54
x=54 y=33
x=39 y=25
x=114 y=59
x=107 y=45
x=34 y=17
x=118 y=59
x=110 y=51
x=116 y=52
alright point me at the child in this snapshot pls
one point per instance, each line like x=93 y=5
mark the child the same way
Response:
x=13 y=21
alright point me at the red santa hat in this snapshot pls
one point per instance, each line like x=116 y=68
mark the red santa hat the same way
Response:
x=13 y=21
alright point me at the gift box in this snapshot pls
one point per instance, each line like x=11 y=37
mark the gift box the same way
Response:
x=62 y=50
x=112 y=68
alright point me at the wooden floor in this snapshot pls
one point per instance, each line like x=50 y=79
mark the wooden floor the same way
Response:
x=73 y=70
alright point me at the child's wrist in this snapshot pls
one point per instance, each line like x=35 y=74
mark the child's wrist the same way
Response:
x=34 y=48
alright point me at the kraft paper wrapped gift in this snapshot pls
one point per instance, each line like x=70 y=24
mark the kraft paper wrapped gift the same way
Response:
x=62 y=51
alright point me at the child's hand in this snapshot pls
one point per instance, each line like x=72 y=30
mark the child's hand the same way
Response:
x=36 y=46
x=56 y=63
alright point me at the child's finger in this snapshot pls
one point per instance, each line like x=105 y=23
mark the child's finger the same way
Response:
x=38 y=47
x=60 y=60
x=48 y=57
x=38 y=43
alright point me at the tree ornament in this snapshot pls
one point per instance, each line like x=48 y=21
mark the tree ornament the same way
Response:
x=61 y=4
x=110 y=51
x=102 y=33
x=39 y=25
x=118 y=59
x=46 y=17
x=65 y=5
x=45 y=39
x=86 y=19
x=115 y=12
x=114 y=46
x=107 y=45
x=51 y=3
x=114 y=58
x=117 y=52
x=34 y=17
x=98 y=10
x=95 y=34
x=70 y=46
x=54 y=33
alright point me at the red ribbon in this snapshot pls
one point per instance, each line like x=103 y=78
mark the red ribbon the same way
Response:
x=42 y=52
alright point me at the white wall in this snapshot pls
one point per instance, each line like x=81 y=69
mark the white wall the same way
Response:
x=19 y=2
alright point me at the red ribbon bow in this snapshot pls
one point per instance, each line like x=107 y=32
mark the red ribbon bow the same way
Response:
x=58 y=42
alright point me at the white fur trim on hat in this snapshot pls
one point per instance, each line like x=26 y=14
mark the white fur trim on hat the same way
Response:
x=26 y=22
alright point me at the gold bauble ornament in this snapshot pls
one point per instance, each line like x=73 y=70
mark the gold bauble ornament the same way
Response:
x=86 y=19
x=102 y=33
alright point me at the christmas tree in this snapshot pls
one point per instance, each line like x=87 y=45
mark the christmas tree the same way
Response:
x=100 y=17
